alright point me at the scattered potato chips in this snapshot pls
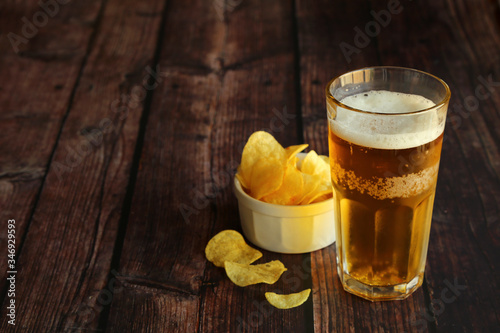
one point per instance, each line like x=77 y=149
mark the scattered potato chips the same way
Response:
x=228 y=249
x=244 y=275
x=273 y=174
x=229 y=245
x=287 y=301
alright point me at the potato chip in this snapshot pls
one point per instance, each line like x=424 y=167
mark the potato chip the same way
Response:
x=242 y=181
x=244 y=275
x=287 y=301
x=322 y=197
x=259 y=145
x=315 y=165
x=267 y=177
x=229 y=245
x=311 y=183
x=325 y=158
x=290 y=192
x=292 y=151
x=294 y=161
x=324 y=189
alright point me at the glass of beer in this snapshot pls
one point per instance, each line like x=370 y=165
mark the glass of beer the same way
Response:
x=385 y=135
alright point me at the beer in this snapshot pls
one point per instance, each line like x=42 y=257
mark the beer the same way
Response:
x=384 y=181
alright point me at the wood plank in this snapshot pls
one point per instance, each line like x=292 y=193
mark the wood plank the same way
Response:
x=150 y=303
x=67 y=255
x=464 y=251
x=175 y=173
x=38 y=82
x=462 y=47
x=223 y=84
x=170 y=216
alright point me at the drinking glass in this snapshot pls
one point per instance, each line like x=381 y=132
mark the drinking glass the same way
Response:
x=385 y=135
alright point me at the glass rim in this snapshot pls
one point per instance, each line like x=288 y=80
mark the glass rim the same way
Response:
x=445 y=100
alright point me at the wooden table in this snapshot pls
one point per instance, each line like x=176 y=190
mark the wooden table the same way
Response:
x=122 y=123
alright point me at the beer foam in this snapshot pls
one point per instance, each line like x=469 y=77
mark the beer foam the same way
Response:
x=396 y=129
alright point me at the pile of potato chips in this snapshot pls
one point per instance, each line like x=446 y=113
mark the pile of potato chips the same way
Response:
x=228 y=249
x=273 y=174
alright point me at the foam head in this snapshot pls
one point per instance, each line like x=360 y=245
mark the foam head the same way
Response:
x=391 y=123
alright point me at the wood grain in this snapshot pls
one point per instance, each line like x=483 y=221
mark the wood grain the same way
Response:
x=35 y=95
x=66 y=258
x=150 y=304
x=464 y=248
x=171 y=216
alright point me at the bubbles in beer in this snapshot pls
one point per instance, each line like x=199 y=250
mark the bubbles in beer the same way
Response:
x=380 y=188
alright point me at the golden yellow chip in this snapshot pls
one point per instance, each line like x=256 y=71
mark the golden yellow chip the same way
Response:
x=292 y=151
x=267 y=177
x=313 y=164
x=311 y=183
x=259 y=145
x=229 y=245
x=323 y=190
x=242 y=181
x=244 y=275
x=317 y=166
x=323 y=197
x=325 y=158
x=291 y=190
x=287 y=301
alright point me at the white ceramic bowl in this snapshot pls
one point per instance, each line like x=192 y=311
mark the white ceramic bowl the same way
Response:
x=286 y=229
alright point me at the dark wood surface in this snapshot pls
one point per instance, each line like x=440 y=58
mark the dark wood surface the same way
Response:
x=122 y=123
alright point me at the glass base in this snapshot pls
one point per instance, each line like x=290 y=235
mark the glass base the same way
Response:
x=381 y=293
